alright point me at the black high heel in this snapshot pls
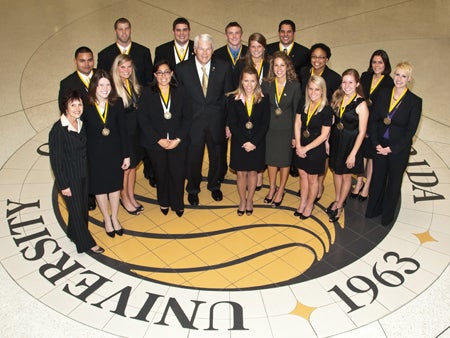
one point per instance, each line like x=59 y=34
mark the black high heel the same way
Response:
x=362 y=198
x=277 y=204
x=328 y=210
x=297 y=213
x=335 y=217
x=132 y=212
x=179 y=213
x=268 y=199
x=249 y=212
x=118 y=232
x=240 y=212
x=165 y=211
x=354 y=196
x=109 y=233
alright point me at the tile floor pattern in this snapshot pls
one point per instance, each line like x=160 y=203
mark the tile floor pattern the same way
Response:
x=266 y=263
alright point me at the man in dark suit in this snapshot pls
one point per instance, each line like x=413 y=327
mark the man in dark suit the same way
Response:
x=79 y=80
x=180 y=48
x=233 y=50
x=299 y=54
x=206 y=83
x=140 y=55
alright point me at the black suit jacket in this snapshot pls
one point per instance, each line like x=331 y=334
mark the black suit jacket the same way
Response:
x=151 y=119
x=73 y=82
x=332 y=79
x=299 y=55
x=209 y=110
x=68 y=155
x=166 y=51
x=222 y=54
x=366 y=82
x=403 y=125
x=140 y=55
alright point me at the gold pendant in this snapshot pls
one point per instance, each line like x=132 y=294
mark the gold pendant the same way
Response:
x=249 y=125
x=278 y=111
x=105 y=131
x=340 y=126
x=387 y=121
x=167 y=115
x=306 y=133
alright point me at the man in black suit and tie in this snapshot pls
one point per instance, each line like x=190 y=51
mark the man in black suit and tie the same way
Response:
x=299 y=54
x=180 y=48
x=140 y=55
x=206 y=81
x=79 y=80
x=233 y=50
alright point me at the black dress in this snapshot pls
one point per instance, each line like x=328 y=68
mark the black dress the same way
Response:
x=342 y=141
x=314 y=162
x=368 y=151
x=106 y=153
x=136 y=150
x=241 y=160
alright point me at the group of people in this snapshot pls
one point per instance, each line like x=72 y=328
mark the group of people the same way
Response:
x=280 y=104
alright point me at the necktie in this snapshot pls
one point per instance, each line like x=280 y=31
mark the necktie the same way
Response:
x=182 y=50
x=204 y=81
x=124 y=51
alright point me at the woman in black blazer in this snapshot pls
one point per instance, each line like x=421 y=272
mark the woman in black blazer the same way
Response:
x=67 y=143
x=165 y=119
x=395 y=118
x=372 y=81
x=248 y=114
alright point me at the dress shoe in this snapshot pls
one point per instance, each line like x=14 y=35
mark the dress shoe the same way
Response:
x=217 y=195
x=335 y=216
x=303 y=217
x=117 y=231
x=165 y=211
x=140 y=207
x=249 y=212
x=152 y=181
x=297 y=213
x=362 y=198
x=134 y=212
x=329 y=210
x=91 y=203
x=110 y=233
x=240 y=212
x=355 y=195
x=179 y=213
x=258 y=187
x=193 y=199
x=97 y=250
x=268 y=199
x=277 y=204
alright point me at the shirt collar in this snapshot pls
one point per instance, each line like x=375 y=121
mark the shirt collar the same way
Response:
x=65 y=123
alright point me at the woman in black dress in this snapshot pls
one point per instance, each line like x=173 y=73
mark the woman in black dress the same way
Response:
x=248 y=114
x=312 y=127
x=347 y=134
x=108 y=150
x=67 y=143
x=375 y=78
x=129 y=90
x=165 y=120
x=396 y=116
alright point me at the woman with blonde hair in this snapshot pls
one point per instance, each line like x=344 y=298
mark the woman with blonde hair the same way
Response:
x=312 y=127
x=283 y=90
x=129 y=90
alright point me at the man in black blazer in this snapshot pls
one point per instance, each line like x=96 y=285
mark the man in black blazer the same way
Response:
x=79 y=80
x=206 y=81
x=233 y=50
x=140 y=55
x=299 y=54
x=180 y=48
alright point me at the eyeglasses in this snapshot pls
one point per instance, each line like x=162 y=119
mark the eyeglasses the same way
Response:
x=318 y=57
x=167 y=72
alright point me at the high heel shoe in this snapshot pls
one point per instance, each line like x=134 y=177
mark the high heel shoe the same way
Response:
x=335 y=217
x=119 y=231
x=179 y=213
x=249 y=212
x=277 y=204
x=109 y=233
x=297 y=213
x=303 y=216
x=268 y=199
x=140 y=207
x=353 y=195
x=362 y=198
x=329 y=210
x=240 y=212
x=97 y=250
x=132 y=212
x=165 y=211
x=258 y=187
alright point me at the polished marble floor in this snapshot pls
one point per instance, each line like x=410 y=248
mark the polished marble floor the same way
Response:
x=190 y=276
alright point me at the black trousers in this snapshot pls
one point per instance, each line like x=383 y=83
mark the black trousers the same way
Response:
x=170 y=173
x=77 y=207
x=195 y=161
x=386 y=184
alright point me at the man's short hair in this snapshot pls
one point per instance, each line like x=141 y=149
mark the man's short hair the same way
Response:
x=83 y=49
x=233 y=24
x=183 y=21
x=287 y=22
x=121 y=20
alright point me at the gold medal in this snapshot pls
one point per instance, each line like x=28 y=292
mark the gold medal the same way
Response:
x=167 y=115
x=105 y=131
x=278 y=111
x=339 y=126
x=387 y=121
x=306 y=133
x=249 y=125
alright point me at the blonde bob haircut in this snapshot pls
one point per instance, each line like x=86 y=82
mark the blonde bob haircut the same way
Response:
x=319 y=82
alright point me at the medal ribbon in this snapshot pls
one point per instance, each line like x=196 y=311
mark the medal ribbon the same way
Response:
x=181 y=57
x=279 y=92
x=249 y=105
x=312 y=72
x=394 y=103
x=128 y=88
x=311 y=114
x=103 y=115
x=237 y=57
x=342 y=108
x=165 y=100
x=373 y=87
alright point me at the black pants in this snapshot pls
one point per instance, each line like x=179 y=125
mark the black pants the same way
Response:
x=386 y=184
x=77 y=207
x=169 y=168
